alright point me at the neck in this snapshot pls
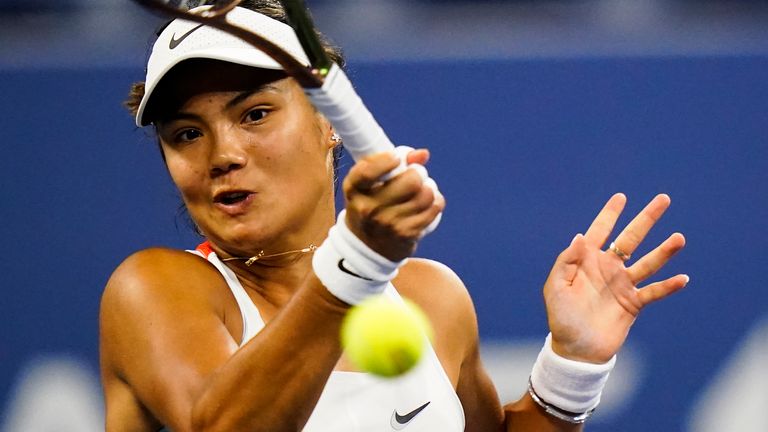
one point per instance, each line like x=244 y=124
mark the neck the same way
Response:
x=274 y=274
x=274 y=278
x=277 y=269
x=266 y=258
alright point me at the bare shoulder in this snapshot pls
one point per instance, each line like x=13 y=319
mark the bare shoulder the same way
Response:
x=161 y=279
x=149 y=267
x=152 y=305
x=146 y=278
x=434 y=285
x=442 y=295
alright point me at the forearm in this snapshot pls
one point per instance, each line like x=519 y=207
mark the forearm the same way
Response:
x=562 y=393
x=275 y=380
x=526 y=416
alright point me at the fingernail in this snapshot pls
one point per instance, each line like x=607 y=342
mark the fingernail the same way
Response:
x=574 y=238
x=687 y=279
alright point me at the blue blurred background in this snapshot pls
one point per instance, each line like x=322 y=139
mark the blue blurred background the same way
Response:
x=535 y=112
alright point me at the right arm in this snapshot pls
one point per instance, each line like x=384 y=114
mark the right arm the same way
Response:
x=163 y=335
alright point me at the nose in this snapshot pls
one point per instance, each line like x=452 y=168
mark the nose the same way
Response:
x=228 y=153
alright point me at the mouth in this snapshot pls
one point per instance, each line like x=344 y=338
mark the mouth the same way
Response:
x=234 y=202
x=231 y=197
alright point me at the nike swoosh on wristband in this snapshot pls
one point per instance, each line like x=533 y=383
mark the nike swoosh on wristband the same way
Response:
x=175 y=42
x=350 y=272
x=399 y=422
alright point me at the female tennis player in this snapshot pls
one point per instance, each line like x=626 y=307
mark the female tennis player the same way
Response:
x=242 y=334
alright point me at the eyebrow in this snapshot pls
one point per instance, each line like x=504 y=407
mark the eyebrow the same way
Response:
x=248 y=93
x=238 y=98
x=175 y=117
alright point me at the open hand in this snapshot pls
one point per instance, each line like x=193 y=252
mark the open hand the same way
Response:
x=592 y=296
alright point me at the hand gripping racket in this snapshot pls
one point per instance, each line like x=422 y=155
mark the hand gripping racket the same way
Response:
x=325 y=83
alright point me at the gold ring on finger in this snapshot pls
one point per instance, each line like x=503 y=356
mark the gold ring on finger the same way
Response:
x=619 y=253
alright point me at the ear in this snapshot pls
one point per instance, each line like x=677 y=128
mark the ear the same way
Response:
x=335 y=139
x=328 y=132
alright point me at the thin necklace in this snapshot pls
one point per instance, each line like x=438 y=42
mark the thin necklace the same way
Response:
x=250 y=260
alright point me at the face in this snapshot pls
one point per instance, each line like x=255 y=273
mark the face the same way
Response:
x=249 y=154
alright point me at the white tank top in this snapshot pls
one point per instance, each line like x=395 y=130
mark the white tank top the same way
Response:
x=423 y=400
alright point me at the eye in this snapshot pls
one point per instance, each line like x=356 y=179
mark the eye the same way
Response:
x=255 y=115
x=187 y=135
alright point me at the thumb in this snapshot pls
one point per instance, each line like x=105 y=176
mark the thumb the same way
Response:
x=567 y=262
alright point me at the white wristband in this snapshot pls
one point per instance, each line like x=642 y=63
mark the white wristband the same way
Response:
x=570 y=385
x=348 y=268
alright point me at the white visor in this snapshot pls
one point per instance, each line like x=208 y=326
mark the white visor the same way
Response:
x=182 y=40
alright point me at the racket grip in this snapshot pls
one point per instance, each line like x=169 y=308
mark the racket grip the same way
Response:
x=361 y=133
x=341 y=105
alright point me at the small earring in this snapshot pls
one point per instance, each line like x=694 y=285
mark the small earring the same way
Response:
x=336 y=138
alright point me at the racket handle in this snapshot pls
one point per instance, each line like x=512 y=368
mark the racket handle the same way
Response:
x=362 y=135
x=341 y=105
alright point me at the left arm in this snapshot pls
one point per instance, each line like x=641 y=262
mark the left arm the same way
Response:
x=592 y=300
x=483 y=410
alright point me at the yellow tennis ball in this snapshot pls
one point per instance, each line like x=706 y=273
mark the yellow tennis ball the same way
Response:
x=385 y=337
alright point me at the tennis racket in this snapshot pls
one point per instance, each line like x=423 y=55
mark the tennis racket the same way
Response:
x=325 y=83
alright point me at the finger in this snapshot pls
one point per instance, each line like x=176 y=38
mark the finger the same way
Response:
x=430 y=183
x=567 y=263
x=423 y=201
x=406 y=221
x=601 y=227
x=419 y=156
x=426 y=221
x=436 y=198
x=432 y=225
x=401 y=188
x=367 y=173
x=410 y=155
x=659 y=290
x=656 y=259
x=405 y=195
x=634 y=233
x=420 y=169
x=439 y=204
